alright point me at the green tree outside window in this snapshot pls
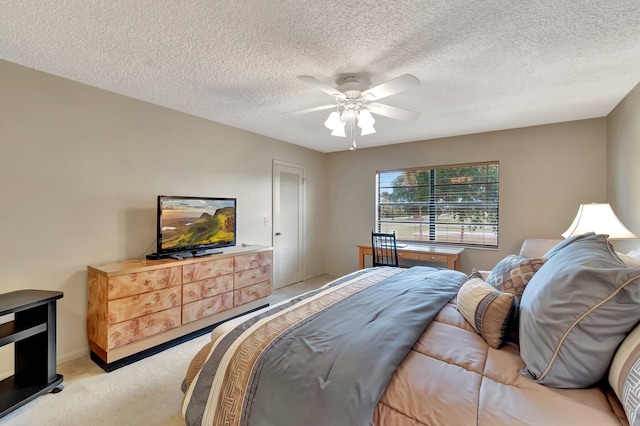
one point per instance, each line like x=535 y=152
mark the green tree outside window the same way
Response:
x=451 y=204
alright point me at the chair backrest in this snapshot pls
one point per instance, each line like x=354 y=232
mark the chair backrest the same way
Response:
x=384 y=249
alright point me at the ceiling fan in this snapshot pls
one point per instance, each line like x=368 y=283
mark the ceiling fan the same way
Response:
x=354 y=103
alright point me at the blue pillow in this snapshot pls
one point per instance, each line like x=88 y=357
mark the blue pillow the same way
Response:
x=566 y=243
x=574 y=313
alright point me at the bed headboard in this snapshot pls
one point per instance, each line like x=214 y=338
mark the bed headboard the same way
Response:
x=536 y=247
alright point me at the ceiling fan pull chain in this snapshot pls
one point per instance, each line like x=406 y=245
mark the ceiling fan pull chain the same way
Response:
x=353 y=135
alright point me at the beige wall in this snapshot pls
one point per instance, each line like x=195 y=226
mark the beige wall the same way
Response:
x=623 y=165
x=80 y=169
x=545 y=173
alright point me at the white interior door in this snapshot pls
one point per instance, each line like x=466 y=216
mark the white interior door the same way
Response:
x=288 y=228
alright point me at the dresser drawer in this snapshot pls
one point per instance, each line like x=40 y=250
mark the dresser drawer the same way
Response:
x=143 y=304
x=142 y=282
x=206 y=307
x=206 y=288
x=251 y=276
x=251 y=261
x=207 y=269
x=427 y=257
x=251 y=293
x=139 y=328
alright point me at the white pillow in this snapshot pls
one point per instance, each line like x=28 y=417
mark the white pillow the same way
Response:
x=635 y=254
x=631 y=262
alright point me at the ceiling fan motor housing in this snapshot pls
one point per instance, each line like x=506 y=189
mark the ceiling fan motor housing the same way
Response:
x=352 y=86
x=349 y=82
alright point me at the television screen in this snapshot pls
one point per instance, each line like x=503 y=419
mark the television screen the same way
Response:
x=195 y=224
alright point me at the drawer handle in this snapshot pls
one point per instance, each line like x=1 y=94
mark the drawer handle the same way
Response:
x=432 y=257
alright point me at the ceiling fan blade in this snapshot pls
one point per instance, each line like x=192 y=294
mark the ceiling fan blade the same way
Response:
x=391 y=87
x=319 y=108
x=322 y=86
x=393 y=112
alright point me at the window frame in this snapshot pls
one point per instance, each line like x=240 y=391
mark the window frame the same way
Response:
x=432 y=223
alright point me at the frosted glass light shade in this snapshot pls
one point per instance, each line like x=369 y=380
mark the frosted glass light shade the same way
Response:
x=365 y=119
x=367 y=130
x=598 y=218
x=339 y=131
x=333 y=121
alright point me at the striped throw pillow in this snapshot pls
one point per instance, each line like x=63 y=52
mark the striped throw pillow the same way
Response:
x=489 y=311
x=624 y=375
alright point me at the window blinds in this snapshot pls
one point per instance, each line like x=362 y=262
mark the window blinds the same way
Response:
x=447 y=204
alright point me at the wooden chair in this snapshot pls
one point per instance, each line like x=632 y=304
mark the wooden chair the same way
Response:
x=384 y=249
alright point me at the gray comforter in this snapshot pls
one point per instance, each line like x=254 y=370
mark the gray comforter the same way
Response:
x=324 y=359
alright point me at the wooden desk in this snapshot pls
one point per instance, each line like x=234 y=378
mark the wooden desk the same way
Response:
x=421 y=253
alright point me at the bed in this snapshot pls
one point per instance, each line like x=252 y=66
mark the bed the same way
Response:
x=429 y=346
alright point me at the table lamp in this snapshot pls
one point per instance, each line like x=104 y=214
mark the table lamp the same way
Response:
x=598 y=218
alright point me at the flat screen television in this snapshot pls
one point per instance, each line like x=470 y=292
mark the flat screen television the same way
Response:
x=193 y=226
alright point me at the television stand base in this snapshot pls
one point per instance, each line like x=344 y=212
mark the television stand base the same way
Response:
x=156 y=256
x=202 y=253
x=181 y=255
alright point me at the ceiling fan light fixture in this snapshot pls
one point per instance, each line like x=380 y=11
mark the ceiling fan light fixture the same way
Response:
x=339 y=131
x=354 y=102
x=365 y=119
x=333 y=121
x=367 y=130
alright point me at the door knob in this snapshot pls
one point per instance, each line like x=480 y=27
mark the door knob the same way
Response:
x=278 y=234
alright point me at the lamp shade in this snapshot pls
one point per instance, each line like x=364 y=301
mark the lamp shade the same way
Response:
x=598 y=218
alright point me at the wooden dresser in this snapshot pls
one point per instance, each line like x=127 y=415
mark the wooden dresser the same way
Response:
x=139 y=307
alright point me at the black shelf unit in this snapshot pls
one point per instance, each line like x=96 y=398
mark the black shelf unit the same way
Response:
x=33 y=333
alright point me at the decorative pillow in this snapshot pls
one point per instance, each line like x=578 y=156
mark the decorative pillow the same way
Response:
x=481 y=273
x=489 y=311
x=575 y=311
x=624 y=375
x=513 y=273
x=566 y=243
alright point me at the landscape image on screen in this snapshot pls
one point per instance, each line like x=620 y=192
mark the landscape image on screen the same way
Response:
x=197 y=222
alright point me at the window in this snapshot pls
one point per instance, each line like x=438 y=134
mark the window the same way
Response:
x=450 y=204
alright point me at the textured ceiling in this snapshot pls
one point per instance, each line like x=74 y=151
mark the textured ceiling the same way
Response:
x=484 y=65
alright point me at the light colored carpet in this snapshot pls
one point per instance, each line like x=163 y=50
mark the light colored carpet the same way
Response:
x=143 y=393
